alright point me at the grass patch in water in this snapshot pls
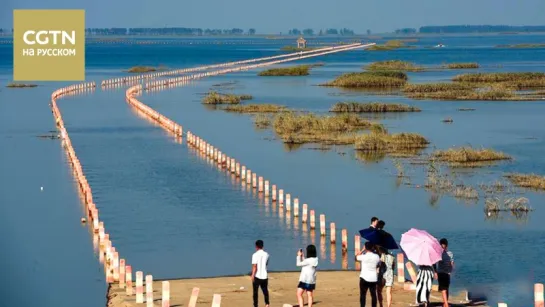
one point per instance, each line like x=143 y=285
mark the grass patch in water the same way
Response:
x=310 y=128
x=532 y=181
x=143 y=69
x=20 y=85
x=262 y=121
x=469 y=155
x=498 y=204
x=525 y=46
x=436 y=87
x=300 y=70
x=255 y=108
x=294 y=48
x=513 y=80
x=463 y=91
x=370 y=79
x=389 y=45
x=216 y=98
x=396 y=65
x=462 y=65
x=390 y=143
x=371 y=107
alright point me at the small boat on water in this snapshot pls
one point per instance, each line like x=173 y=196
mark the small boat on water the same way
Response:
x=439 y=46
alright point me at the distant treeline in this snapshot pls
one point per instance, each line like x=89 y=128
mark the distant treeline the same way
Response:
x=310 y=32
x=166 y=31
x=480 y=29
x=199 y=31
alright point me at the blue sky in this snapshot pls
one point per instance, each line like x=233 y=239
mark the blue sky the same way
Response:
x=281 y=15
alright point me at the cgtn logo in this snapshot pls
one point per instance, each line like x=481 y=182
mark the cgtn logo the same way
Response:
x=52 y=43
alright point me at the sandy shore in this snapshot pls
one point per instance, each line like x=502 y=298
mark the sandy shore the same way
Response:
x=334 y=289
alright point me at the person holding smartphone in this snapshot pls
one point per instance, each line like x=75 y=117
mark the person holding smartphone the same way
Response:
x=307 y=279
x=370 y=262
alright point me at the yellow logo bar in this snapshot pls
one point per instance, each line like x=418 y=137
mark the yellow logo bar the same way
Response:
x=48 y=45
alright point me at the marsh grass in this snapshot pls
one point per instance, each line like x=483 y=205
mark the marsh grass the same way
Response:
x=390 y=143
x=532 y=181
x=310 y=128
x=20 y=85
x=469 y=156
x=462 y=65
x=465 y=192
x=436 y=87
x=216 y=98
x=389 y=45
x=395 y=65
x=262 y=121
x=501 y=77
x=255 y=108
x=143 y=69
x=300 y=70
x=490 y=93
x=371 y=107
x=370 y=79
x=481 y=86
x=522 y=46
x=294 y=48
x=370 y=156
x=498 y=204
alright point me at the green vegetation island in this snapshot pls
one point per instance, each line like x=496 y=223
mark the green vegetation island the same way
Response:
x=20 y=85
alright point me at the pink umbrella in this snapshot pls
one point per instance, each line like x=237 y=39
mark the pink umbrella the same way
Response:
x=421 y=247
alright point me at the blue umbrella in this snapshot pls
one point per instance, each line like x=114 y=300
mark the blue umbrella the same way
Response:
x=379 y=237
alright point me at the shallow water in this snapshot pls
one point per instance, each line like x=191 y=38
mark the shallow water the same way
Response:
x=173 y=214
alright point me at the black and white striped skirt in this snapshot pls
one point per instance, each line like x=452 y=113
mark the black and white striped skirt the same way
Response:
x=424 y=281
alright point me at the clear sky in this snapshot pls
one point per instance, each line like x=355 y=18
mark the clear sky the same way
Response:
x=281 y=15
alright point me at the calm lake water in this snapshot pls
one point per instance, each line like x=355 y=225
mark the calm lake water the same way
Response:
x=171 y=213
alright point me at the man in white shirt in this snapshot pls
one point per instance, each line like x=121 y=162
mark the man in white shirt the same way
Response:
x=260 y=259
x=369 y=273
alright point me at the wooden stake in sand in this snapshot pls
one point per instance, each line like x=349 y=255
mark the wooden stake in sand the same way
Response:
x=538 y=295
x=149 y=290
x=122 y=273
x=312 y=220
x=128 y=280
x=288 y=202
x=139 y=287
x=281 y=198
x=274 y=193
x=305 y=212
x=412 y=272
x=296 y=207
x=400 y=268
x=193 y=298
x=165 y=297
x=216 y=301
x=266 y=188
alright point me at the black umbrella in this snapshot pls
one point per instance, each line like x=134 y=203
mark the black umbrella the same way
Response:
x=379 y=237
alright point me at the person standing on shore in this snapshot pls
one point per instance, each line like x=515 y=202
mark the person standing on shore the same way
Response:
x=444 y=268
x=307 y=279
x=424 y=282
x=260 y=260
x=386 y=276
x=369 y=273
x=374 y=222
